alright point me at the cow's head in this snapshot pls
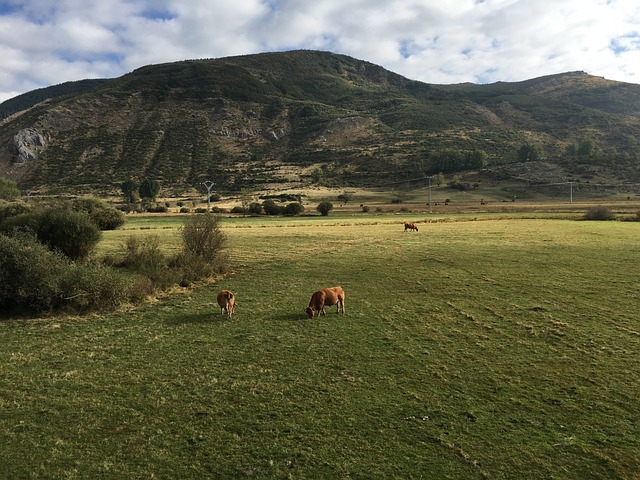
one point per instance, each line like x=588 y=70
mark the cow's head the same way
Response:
x=310 y=312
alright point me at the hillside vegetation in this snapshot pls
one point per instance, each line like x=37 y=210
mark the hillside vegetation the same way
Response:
x=305 y=117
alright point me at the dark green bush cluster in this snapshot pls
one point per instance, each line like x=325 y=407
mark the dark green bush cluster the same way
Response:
x=38 y=271
x=324 y=208
x=35 y=279
x=70 y=232
x=599 y=212
x=100 y=213
x=270 y=207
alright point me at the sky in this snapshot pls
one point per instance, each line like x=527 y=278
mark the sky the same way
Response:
x=47 y=42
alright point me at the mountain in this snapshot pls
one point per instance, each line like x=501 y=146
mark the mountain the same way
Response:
x=29 y=99
x=302 y=117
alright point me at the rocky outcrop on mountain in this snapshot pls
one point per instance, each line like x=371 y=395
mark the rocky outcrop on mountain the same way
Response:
x=28 y=144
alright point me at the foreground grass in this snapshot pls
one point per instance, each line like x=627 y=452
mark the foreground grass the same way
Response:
x=493 y=349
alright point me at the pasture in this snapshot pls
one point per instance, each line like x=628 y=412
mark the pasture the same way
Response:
x=491 y=348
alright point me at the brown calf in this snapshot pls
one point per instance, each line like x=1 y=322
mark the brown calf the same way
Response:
x=410 y=226
x=327 y=297
x=227 y=301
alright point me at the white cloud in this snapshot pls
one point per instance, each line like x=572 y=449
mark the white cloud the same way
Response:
x=45 y=42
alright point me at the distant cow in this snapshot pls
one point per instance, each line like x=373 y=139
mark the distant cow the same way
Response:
x=327 y=297
x=227 y=302
x=410 y=227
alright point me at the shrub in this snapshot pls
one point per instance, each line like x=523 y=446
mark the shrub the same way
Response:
x=203 y=253
x=144 y=257
x=185 y=209
x=8 y=189
x=365 y=208
x=271 y=208
x=12 y=209
x=599 y=212
x=201 y=210
x=202 y=237
x=396 y=200
x=72 y=233
x=95 y=287
x=255 y=208
x=29 y=274
x=157 y=209
x=103 y=215
x=149 y=188
x=238 y=209
x=294 y=208
x=324 y=208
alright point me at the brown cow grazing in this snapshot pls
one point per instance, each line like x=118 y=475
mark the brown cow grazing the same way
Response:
x=327 y=297
x=227 y=302
x=410 y=227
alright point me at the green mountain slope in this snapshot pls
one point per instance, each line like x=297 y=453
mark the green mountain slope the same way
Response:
x=295 y=118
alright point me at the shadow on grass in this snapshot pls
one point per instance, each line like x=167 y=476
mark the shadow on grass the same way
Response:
x=203 y=317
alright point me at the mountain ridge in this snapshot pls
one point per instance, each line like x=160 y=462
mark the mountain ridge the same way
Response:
x=306 y=117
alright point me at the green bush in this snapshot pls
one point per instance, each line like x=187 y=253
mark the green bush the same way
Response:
x=12 y=209
x=324 y=208
x=22 y=222
x=203 y=252
x=29 y=274
x=157 y=209
x=294 y=208
x=103 y=215
x=93 y=287
x=145 y=257
x=599 y=212
x=8 y=189
x=72 y=233
x=202 y=237
x=255 y=208
x=271 y=208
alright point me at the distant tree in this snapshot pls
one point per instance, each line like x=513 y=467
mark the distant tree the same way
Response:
x=572 y=150
x=324 y=208
x=246 y=197
x=129 y=190
x=293 y=208
x=345 y=197
x=8 y=189
x=476 y=159
x=255 y=208
x=149 y=189
x=586 y=147
x=529 y=152
x=271 y=208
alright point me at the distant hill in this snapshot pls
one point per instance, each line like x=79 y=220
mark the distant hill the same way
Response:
x=29 y=99
x=303 y=117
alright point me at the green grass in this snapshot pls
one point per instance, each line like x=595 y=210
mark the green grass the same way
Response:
x=477 y=349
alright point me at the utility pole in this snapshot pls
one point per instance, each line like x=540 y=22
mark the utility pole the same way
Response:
x=208 y=185
x=430 y=177
x=570 y=192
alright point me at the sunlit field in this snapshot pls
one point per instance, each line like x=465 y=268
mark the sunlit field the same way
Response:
x=481 y=346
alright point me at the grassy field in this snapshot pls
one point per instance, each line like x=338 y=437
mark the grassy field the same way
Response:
x=504 y=348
